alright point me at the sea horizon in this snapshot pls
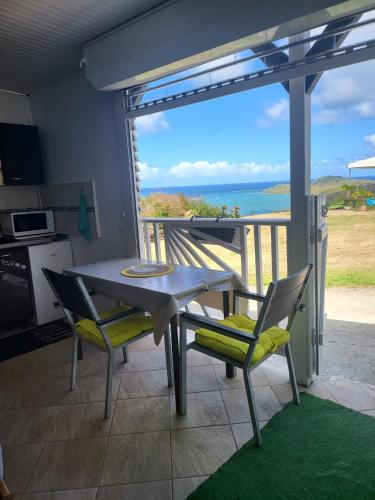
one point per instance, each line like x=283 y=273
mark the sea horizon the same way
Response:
x=248 y=196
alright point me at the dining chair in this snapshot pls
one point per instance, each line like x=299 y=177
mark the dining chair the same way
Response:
x=246 y=343
x=4 y=492
x=108 y=331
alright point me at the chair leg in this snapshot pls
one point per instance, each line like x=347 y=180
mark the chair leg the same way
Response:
x=230 y=370
x=4 y=492
x=182 y=370
x=168 y=357
x=74 y=363
x=125 y=354
x=80 y=350
x=108 y=390
x=252 y=407
x=292 y=375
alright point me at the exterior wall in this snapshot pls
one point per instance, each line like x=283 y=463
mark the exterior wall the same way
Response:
x=15 y=108
x=82 y=135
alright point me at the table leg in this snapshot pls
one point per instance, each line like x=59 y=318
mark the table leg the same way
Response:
x=80 y=349
x=230 y=370
x=176 y=361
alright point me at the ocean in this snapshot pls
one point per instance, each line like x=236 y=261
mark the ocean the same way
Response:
x=249 y=196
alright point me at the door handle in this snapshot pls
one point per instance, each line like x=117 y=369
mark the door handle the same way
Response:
x=5 y=255
x=17 y=178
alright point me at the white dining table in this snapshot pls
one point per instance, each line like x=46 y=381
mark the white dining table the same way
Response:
x=161 y=296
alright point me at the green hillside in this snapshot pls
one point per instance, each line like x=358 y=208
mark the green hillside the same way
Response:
x=330 y=185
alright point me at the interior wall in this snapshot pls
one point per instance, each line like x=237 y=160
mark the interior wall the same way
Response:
x=16 y=108
x=83 y=139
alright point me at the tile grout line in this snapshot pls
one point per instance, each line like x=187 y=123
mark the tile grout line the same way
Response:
x=225 y=408
x=113 y=409
x=170 y=439
x=42 y=449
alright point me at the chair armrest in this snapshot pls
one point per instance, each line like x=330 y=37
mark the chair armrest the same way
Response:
x=118 y=317
x=249 y=295
x=202 y=322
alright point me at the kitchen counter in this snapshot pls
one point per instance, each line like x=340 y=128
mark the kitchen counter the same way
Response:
x=6 y=243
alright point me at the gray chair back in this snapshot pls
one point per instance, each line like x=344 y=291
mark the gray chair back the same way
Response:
x=283 y=299
x=72 y=294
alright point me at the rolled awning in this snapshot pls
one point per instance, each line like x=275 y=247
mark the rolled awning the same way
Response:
x=184 y=34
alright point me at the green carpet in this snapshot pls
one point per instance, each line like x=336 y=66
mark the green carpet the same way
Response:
x=315 y=451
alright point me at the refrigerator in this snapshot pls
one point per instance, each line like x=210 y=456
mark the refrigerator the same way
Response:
x=56 y=256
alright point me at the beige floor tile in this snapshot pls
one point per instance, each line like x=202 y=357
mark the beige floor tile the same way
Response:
x=238 y=409
x=30 y=425
x=91 y=389
x=145 y=360
x=201 y=378
x=275 y=369
x=137 y=458
x=201 y=451
x=203 y=408
x=183 y=487
x=8 y=392
x=81 y=494
x=96 y=364
x=81 y=421
x=141 y=415
x=319 y=389
x=19 y=462
x=369 y=412
x=195 y=358
x=68 y=465
x=144 y=384
x=157 y=490
x=52 y=360
x=351 y=395
x=284 y=393
x=146 y=344
x=257 y=377
x=41 y=392
x=244 y=432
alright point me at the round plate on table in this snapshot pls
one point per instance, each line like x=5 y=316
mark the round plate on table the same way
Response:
x=147 y=270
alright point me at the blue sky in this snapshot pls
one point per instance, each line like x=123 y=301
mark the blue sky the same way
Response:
x=245 y=137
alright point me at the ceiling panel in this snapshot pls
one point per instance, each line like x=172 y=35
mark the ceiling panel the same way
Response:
x=40 y=40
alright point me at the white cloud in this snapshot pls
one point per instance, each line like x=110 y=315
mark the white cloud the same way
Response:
x=275 y=113
x=345 y=94
x=370 y=139
x=328 y=116
x=146 y=172
x=203 y=168
x=152 y=123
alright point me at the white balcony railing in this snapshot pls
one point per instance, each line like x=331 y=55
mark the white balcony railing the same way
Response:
x=255 y=248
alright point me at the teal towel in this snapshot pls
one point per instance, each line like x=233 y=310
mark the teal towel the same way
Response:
x=84 y=223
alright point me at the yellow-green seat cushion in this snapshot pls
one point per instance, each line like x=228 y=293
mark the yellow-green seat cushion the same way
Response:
x=118 y=333
x=269 y=341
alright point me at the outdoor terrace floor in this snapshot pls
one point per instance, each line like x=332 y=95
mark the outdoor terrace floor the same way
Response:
x=55 y=440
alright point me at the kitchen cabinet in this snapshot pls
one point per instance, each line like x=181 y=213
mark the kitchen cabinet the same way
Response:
x=20 y=155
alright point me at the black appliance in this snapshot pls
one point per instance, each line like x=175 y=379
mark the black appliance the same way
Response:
x=16 y=304
x=20 y=155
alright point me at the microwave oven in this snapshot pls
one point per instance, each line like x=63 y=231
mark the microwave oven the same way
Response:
x=26 y=224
